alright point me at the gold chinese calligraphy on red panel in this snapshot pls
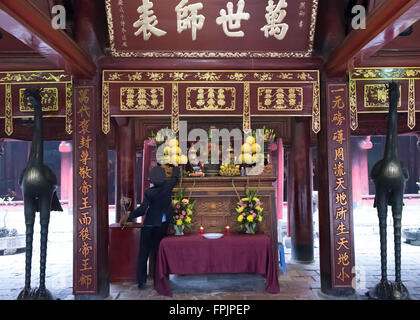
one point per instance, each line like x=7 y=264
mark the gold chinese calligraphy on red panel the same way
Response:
x=340 y=186
x=212 y=29
x=84 y=281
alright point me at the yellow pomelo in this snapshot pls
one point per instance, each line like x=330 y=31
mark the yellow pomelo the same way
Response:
x=248 y=158
x=175 y=150
x=183 y=159
x=256 y=148
x=246 y=148
x=174 y=159
x=173 y=143
x=250 y=140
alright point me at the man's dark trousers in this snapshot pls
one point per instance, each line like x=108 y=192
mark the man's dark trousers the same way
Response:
x=150 y=238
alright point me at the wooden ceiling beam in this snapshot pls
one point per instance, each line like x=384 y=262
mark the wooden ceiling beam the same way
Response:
x=28 y=24
x=383 y=25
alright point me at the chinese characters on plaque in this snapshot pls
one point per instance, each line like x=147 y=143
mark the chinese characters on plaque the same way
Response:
x=188 y=18
x=340 y=191
x=194 y=28
x=84 y=250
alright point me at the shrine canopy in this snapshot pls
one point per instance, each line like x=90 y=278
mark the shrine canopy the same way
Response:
x=212 y=29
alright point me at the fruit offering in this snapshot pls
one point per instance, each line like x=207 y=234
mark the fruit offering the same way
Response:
x=229 y=170
x=251 y=151
x=172 y=153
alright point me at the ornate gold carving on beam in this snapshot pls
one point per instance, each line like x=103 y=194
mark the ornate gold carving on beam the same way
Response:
x=402 y=74
x=142 y=98
x=106 y=121
x=12 y=77
x=211 y=98
x=313 y=25
x=247 y=108
x=316 y=108
x=211 y=54
x=237 y=76
x=207 y=76
x=49 y=95
x=353 y=105
x=385 y=73
x=178 y=76
x=49 y=100
x=175 y=108
x=170 y=76
x=280 y=98
x=69 y=111
x=264 y=76
x=376 y=96
x=8 y=119
x=411 y=121
x=34 y=76
x=206 y=79
x=115 y=76
x=155 y=76
x=304 y=76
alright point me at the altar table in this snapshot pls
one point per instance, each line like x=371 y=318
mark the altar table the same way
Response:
x=235 y=253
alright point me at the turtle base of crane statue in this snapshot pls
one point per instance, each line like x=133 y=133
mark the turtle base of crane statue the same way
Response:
x=35 y=294
x=388 y=290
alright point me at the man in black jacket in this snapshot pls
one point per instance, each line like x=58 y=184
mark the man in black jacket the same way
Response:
x=157 y=202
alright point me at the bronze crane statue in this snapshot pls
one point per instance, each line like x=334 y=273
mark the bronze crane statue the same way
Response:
x=38 y=185
x=390 y=176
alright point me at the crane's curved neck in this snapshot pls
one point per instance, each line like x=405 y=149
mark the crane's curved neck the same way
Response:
x=37 y=151
x=391 y=146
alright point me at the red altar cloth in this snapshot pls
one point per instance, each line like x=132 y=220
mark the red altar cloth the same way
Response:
x=193 y=254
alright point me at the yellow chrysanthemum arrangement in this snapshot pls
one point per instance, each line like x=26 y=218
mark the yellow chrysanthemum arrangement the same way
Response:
x=183 y=210
x=249 y=211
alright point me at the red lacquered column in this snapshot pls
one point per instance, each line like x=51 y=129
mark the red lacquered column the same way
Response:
x=300 y=195
x=126 y=157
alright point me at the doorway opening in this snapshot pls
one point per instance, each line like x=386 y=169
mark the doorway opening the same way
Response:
x=366 y=151
x=59 y=268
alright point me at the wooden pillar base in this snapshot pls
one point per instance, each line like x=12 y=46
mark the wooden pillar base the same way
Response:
x=302 y=253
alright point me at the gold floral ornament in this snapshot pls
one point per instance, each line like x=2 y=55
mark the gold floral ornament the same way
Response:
x=178 y=76
x=249 y=211
x=207 y=76
x=183 y=211
x=263 y=76
x=237 y=76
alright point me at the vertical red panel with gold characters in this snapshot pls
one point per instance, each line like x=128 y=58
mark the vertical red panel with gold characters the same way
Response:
x=339 y=168
x=85 y=264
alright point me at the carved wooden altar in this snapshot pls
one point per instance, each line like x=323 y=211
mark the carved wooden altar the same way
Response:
x=216 y=199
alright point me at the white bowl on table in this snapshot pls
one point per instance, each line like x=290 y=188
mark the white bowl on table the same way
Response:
x=213 y=235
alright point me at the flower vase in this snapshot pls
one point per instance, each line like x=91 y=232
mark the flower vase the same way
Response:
x=250 y=229
x=179 y=230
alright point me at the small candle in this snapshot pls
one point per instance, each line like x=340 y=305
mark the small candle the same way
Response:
x=201 y=230
x=227 y=229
